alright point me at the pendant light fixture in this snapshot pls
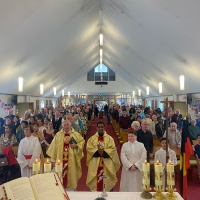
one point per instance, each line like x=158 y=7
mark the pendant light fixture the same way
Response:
x=160 y=87
x=101 y=53
x=20 y=81
x=147 y=90
x=182 y=80
x=63 y=93
x=101 y=39
x=133 y=94
x=54 y=91
x=68 y=93
x=41 y=86
x=139 y=92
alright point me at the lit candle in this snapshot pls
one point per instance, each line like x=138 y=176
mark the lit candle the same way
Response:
x=58 y=167
x=36 y=166
x=158 y=173
x=145 y=169
x=170 y=172
x=47 y=166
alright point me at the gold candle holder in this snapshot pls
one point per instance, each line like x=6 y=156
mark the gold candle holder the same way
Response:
x=158 y=194
x=146 y=194
x=170 y=195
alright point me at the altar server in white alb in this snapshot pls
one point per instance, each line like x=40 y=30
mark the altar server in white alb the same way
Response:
x=29 y=150
x=161 y=156
x=133 y=154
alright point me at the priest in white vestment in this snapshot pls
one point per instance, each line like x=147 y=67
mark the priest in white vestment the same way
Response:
x=161 y=156
x=133 y=154
x=29 y=150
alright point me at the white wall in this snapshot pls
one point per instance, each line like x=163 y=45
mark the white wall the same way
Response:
x=82 y=85
x=6 y=99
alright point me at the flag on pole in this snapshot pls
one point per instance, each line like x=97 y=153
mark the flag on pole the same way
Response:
x=186 y=152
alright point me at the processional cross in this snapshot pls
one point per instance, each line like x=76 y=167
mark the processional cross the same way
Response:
x=166 y=102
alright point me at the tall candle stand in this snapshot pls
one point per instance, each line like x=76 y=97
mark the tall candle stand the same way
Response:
x=170 y=194
x=170 y=182
x=158 y=181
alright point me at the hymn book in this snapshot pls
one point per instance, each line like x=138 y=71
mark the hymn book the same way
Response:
x=38 y=187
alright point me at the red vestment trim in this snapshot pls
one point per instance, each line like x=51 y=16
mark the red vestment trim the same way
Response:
x=65 y=161
x=100 y=171
x=28 y=157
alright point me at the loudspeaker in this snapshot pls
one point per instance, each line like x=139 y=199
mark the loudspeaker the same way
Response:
x=14 y=100
x=189 y=98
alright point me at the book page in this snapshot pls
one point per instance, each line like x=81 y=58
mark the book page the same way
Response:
x=1 y=192
x=47 y=187
x=19 y=189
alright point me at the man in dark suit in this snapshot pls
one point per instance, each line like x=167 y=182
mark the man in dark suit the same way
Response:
x=56 y=120
x=180 y=117
x=144 y=136
x=198 y=120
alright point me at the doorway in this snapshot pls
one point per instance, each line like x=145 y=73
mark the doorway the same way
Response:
x=22 y=107
x=100 y=104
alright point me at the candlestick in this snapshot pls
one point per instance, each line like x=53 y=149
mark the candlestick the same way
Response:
x=36 y=167
x=170 y=195
x=58 y=167
x=158 y=181
x=47 y=166
x=145 y=170
x=170 y=174
x=146 y=181
x=158 y=173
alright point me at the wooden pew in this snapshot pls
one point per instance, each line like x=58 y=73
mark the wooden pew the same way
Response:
x=124 y=136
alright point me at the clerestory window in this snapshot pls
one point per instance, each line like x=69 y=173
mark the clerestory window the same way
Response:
x=101 y=73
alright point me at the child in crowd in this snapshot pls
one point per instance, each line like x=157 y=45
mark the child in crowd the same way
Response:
x=161 y=156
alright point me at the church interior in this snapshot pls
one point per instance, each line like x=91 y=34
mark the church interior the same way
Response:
x=91 y=61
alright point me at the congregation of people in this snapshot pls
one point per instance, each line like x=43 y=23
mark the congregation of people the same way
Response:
x=60 y=134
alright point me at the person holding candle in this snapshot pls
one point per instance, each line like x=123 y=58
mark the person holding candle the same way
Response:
x=133 y=154
x=69 y=153
x=161 y=156
x=29 y=150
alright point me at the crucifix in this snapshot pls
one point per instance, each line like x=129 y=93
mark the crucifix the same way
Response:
x=103 y=194
x=166 y=128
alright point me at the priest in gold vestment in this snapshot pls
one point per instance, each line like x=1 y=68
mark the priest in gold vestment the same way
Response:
x=102 y=159
x=69 y=153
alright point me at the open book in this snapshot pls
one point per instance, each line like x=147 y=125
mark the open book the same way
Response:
x=38 y=187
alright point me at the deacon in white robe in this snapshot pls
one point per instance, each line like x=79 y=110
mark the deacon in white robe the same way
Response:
x=161 y=156
x=29 y=150
x=133 y=154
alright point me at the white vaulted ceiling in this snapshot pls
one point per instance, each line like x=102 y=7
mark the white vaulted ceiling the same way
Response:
x=145 y=41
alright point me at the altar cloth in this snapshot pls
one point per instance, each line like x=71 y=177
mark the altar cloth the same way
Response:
x=111 y=195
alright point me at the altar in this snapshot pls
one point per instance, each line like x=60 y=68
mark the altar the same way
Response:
x=111 y=195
